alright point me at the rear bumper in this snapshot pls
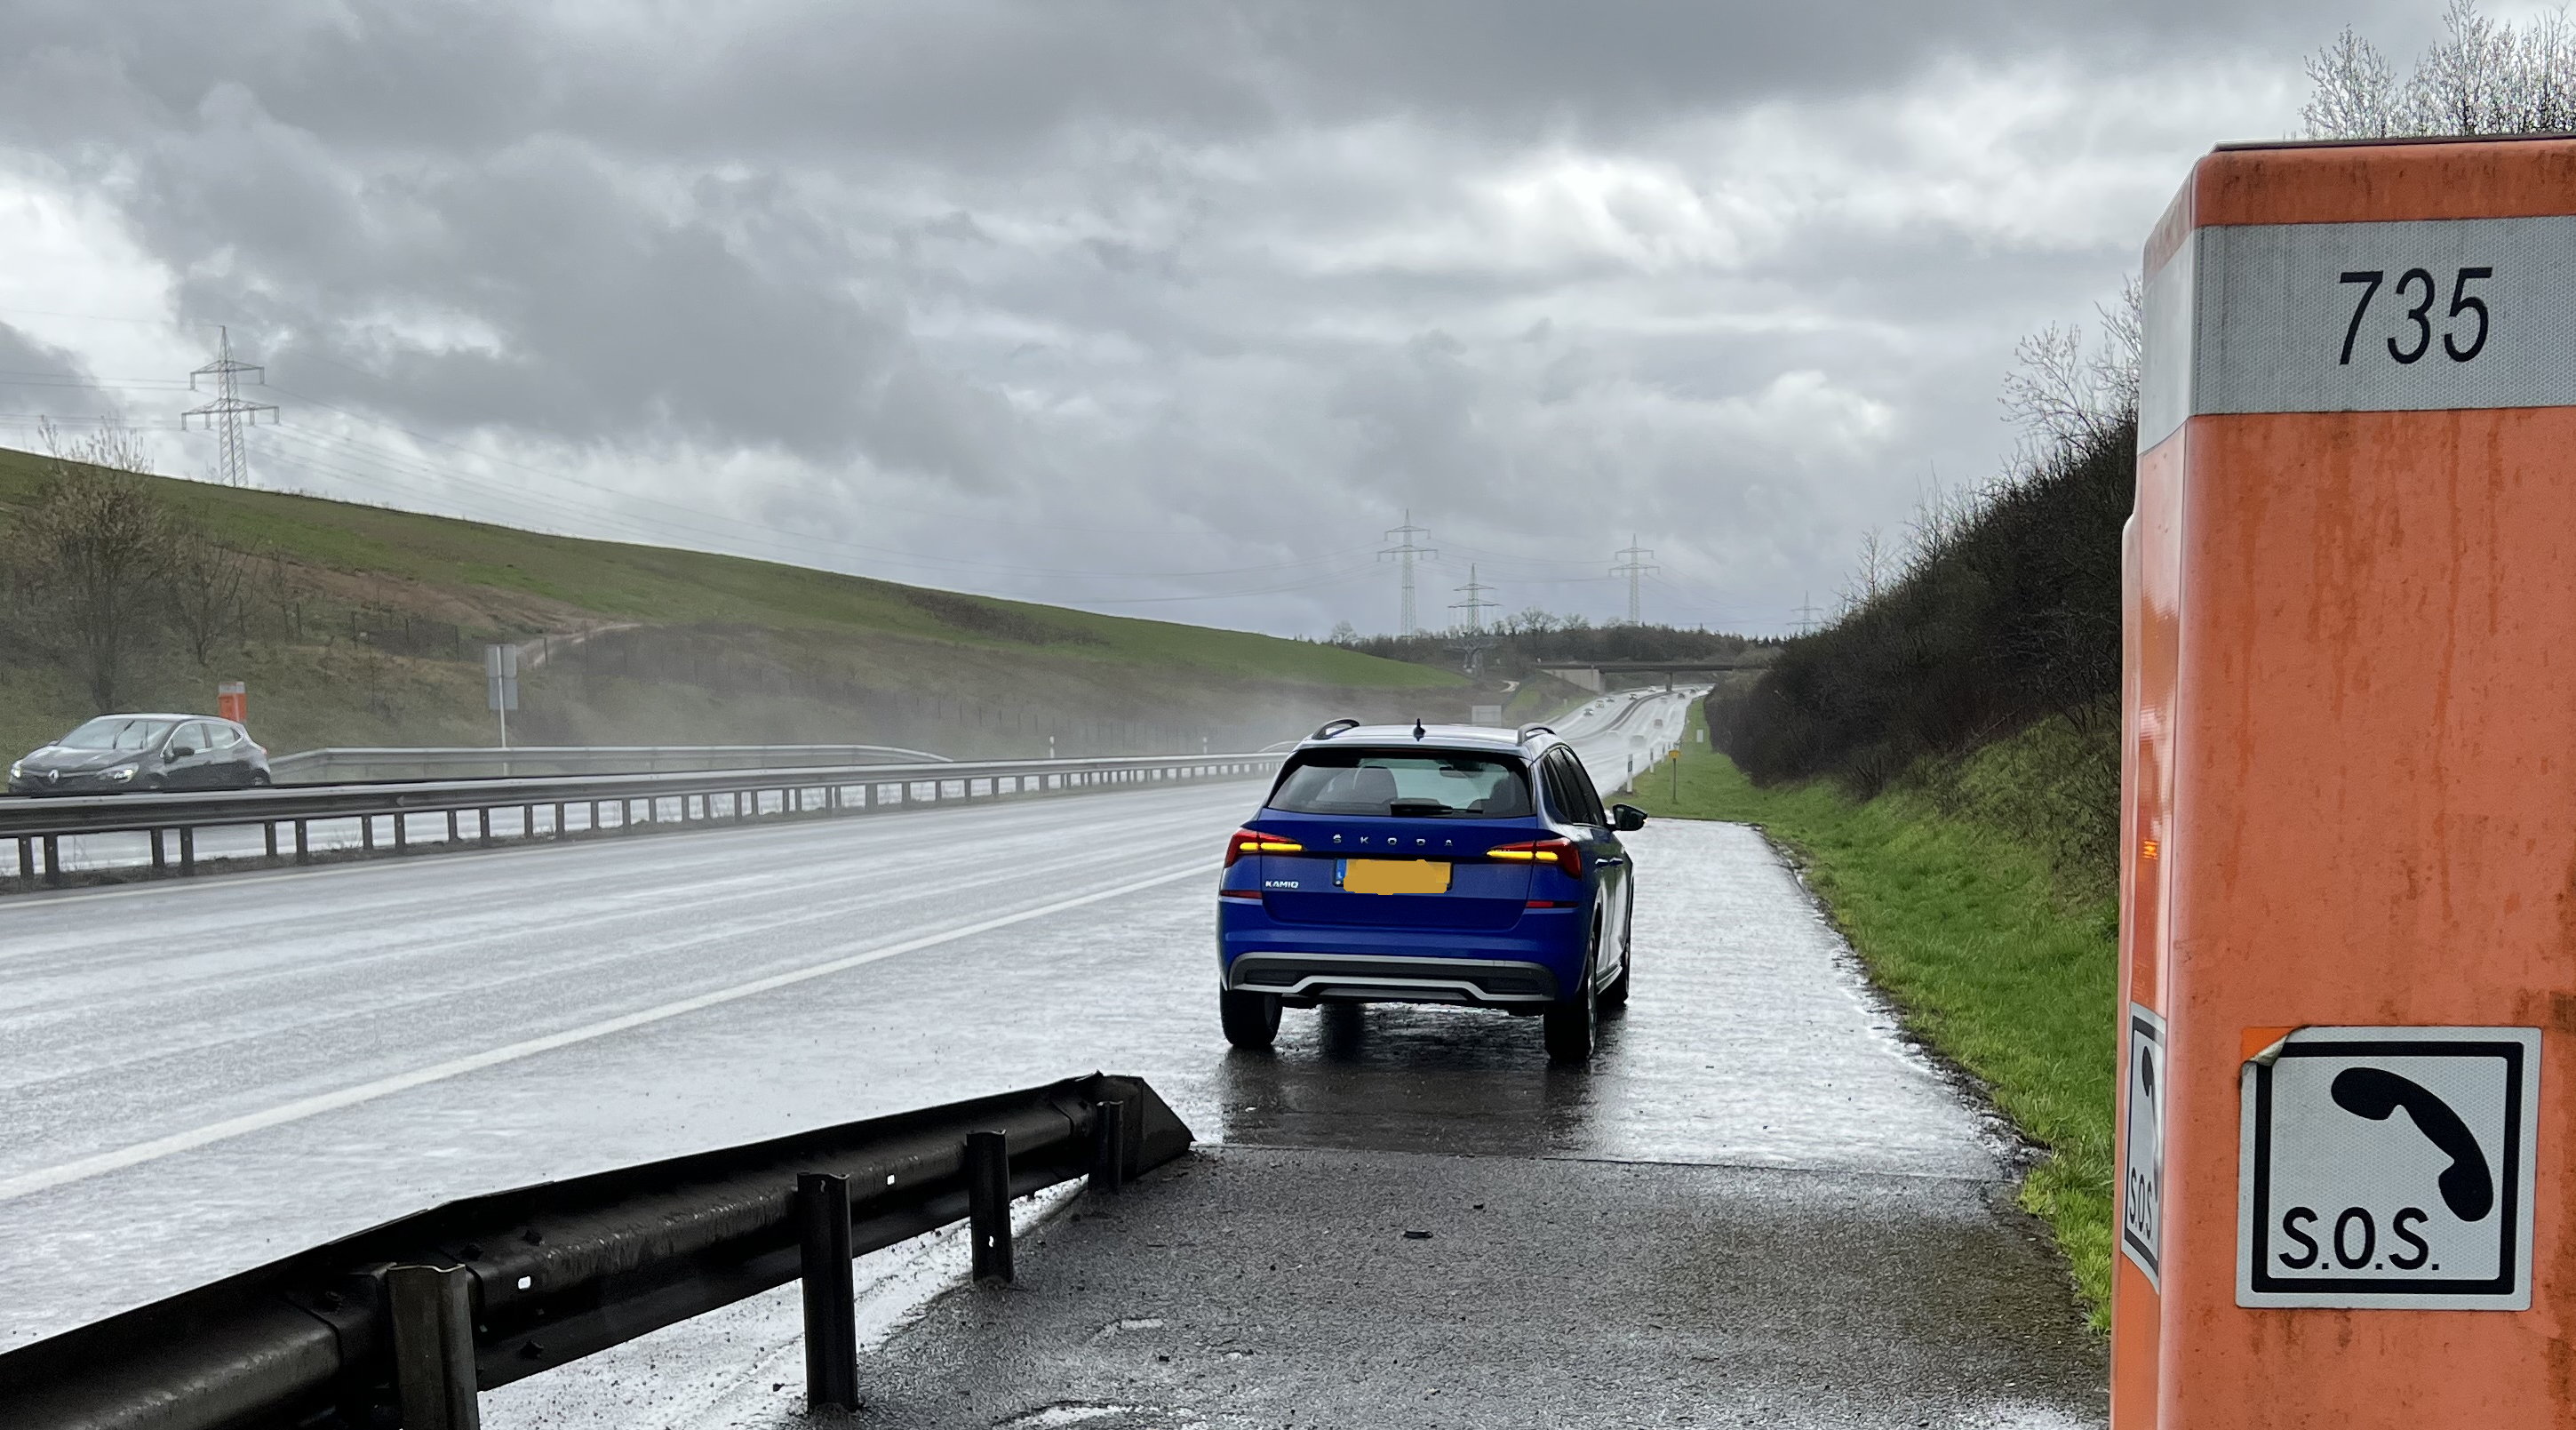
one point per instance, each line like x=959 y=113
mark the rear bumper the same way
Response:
x=1374 y=978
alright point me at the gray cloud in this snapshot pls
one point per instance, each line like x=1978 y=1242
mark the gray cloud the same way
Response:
x=982 y=293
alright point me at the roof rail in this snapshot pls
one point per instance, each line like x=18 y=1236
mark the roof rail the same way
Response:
x=1330 y=728
x=1529 y=730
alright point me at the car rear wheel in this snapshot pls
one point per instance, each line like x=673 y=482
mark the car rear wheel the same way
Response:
x=1571 y=1021
x=1251 y=1019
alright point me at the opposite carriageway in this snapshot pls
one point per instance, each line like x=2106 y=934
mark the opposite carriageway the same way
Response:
x=563 y=806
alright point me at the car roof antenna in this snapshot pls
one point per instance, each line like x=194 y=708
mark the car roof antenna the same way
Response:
x=1417 y=727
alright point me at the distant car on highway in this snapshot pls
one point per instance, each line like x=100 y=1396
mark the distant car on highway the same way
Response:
x=115 y=753
x=1438 y=864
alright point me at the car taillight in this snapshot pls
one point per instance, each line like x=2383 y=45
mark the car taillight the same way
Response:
x=1253 y=841
x=1560 y=852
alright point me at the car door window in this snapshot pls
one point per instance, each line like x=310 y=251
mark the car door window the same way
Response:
x=1582 y=803
x=1552 y=781
x=1562 y=798
x=139 y=734
x=191 y=736
x=1591 y=793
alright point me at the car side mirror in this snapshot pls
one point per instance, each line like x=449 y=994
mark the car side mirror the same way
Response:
x=179 y=752
x=1627 y=817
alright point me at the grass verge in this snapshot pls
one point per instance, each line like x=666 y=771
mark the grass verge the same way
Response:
x=1992 y=958
x=364 y=626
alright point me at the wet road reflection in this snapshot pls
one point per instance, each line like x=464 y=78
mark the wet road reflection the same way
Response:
x=1751 y=1039
x=1394 y=1078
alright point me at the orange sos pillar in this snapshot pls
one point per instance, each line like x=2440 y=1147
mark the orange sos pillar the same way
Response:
x=2348 y=931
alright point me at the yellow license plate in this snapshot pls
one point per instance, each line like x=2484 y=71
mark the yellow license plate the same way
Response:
x=1395 y=876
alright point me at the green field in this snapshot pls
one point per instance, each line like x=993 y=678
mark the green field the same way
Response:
x=2000 y=952
x=369 y=626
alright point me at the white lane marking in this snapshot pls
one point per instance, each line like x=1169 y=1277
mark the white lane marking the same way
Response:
x=46 y=1178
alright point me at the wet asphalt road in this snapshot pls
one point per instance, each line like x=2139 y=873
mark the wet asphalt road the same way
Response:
x=198 y=1078
x=1754 y=1208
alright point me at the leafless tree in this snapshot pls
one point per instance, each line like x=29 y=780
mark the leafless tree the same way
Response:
x=208 y=585
x=93 y=551
x=2482 y=77
x=2353 y=92
x=1877 y=563
x=2062 y=393
x=1940 y=513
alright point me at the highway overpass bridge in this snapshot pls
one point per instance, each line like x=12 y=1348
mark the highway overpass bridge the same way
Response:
x=1597 y=675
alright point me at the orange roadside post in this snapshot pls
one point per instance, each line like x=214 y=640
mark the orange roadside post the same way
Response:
x=232 y=702
x=2348 y=883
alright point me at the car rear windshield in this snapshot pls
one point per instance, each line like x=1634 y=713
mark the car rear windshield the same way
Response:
x=1415 y=784
x=117 y=732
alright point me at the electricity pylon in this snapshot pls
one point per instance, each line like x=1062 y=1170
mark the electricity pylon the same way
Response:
x=225 y=414
x=1405 y=550
x=1475 y=605
x=1632 y=564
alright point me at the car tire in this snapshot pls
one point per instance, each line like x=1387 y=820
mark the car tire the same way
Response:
x=1571 y=1022
x=1251 y=1019
x=1616 y=995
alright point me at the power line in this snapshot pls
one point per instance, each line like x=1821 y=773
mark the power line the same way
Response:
x=1475 y=605
x=1632 y=564
x=1405 y=551
x=399 y=473
x=393 y=474
x=1807 y=613
x=224 y=415
x=691 y=529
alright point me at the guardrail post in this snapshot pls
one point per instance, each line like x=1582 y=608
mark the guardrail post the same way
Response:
x=367 y=833
x=268 y=839
x=159 y=861
x=451 y=826
x=559 y=822
x=26 y=858
x=402 y=832
x=187 y=850
x=53 y=859
x=303 y=843
x=831 y=1315
x=988 y=1203
x=483 y=826
x=1109 y=1146
x=433 y=1316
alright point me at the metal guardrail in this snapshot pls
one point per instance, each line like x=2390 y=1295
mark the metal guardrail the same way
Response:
x=705 y=797
x=340 y=763
x=415 y=1317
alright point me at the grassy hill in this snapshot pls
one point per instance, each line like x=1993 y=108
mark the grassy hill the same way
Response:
x=363 y=625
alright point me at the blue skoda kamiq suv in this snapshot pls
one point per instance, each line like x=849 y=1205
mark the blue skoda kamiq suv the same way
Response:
x=1439 y=864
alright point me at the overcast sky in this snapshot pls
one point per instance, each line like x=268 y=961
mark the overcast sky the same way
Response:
x=1167 y=309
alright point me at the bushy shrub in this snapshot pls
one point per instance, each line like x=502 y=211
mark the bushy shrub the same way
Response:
x=2008 y=613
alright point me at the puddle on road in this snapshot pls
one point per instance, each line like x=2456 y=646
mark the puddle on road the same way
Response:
x=1104 y=1417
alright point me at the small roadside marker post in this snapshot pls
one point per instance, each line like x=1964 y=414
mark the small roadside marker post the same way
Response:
x=501 y=680
x=2344 y=1124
